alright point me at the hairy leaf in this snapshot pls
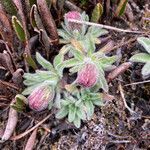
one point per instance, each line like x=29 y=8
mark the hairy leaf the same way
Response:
x=72 y=113
x=81 y=113
x=77 y=122
x=140 y=57
x=43 y=62
x=96 y=31
x=146 y=70
x=62 y=113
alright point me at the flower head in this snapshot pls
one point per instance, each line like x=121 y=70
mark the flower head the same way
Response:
x=88 y=75
x=71 y=25
x=40 y=98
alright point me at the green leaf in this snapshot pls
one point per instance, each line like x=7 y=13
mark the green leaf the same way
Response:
x=30 y=61
x=58 y=61
x=40 y=77
x=62 y=113
x=96 y=31
x=64 y=34
x=71 y=62
x=18 y=109
x=20 y=103
x=43 y=62
x=77 y=122
x=107 y=61
x=57 y=100
x=59 y=64
x=145 y=42
x=75 y=68
x=121 y=7
x=81 y=113
x=89 y=109
x=102 y=80
x=32 y=19
x=77 y=54
x=140 y=57
x=20 y=99
x=65 y=102
x=65 y=28
x=146 y=70
x=72 y=113
x=19 y=29
x=29 y=90
x=89 y=45
x=97 y=12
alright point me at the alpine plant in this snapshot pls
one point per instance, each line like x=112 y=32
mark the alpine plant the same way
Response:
x=88 y=75
x=89 y=65
x=46 y=87
x=42 y=84
x=41 y=97
x=76 y=31
x=79 y=106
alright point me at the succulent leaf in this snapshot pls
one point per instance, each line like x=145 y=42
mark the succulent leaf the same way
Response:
x=19 y=29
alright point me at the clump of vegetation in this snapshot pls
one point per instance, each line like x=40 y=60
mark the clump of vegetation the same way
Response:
x=60 y=70
x=90 y=66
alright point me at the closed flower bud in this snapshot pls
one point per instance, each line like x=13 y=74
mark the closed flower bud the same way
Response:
x=40 y=98
x=88 y=75
x=71 y=25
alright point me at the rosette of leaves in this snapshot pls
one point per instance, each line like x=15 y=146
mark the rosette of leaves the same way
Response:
x=90 y=99
x=79 y=106
x=50 y=76
x=72 y=108
x=71 y=30
x=86 y=54
x=143 y=57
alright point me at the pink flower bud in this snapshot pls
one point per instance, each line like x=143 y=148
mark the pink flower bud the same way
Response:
x=88 y=75
x=71 y=25
x=40 y=98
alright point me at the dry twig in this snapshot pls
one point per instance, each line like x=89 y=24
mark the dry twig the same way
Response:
x=30 y=130
x=105 y=26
